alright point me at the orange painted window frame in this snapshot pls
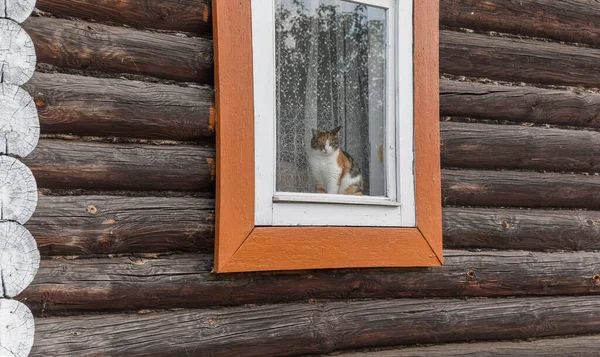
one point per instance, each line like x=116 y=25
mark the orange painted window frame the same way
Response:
x=240 y=246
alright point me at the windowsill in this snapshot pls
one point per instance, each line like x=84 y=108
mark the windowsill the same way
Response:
x=285 y=197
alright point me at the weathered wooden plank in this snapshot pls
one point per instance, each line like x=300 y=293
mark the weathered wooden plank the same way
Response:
x=95 y=47
x=571 y=21
x=295 y=329
x=485 y=146
x=519 y=104
x=187 y=281
x=581 y=346
x=88 y=225
x=467 y=228
x=524 y=189
x=175 y=15
x=17 y=53
x=16 y=329
x=19 y=258
x=509 y=59
x=114 y=107
x=73 y=164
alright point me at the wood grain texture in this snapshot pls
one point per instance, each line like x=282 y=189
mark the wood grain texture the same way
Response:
x=90 y=225
x=470 y=228
x=19 y=123
x=296 y=329
x=426 y=96
x=519 y=104
x=78 y=164
x=175 y=15
x=232 y=28
x=581 y=346
x=16 y=329
x=18 y=191
x=19 y=258
x=187 y=281
x=16 y=10
x=485 y=146
x=96 y=225
x=17 y=53
x=475 y=55
x=520 y=189
x=567 y=20
x=124 y=108
x=90 y=46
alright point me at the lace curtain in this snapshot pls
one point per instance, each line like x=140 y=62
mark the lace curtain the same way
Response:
x=330 y=71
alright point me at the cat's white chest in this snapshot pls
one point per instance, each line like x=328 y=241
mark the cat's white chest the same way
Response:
x=325 y=169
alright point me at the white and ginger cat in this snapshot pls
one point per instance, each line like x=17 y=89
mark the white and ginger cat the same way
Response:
x=334 y=170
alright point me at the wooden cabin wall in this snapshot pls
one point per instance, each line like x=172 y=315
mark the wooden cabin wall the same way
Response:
x=126 y=174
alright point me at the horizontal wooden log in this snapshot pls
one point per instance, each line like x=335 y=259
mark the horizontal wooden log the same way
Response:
x=521 y=189
x=187 y=281
x=16 y=10
x=19 y=123
x=88 y=225
x=114 y=107
x=16 y=329
x=296 y=329
x=175 y=15
x=95 y=47
x=19 y=258
x=70 y=164
x=17 y=53
x=581 y=346
x=519 y=104
x=475 y=55
x=468 y=228
x=571 y=21
x=18 y=191
x=97 y=225
x=485 y=146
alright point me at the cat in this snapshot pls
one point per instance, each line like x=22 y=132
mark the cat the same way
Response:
x=334 y=170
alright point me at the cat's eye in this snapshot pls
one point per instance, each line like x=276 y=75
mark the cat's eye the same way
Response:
x=333 y=132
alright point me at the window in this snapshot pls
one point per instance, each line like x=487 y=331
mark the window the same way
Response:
x=324 y=65
x=328 y=134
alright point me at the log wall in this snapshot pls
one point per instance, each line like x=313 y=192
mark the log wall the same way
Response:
x=125 y=170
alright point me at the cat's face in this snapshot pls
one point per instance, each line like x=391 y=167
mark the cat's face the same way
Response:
x=325 y=141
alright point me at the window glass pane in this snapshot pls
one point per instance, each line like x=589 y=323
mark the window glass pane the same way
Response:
x=330 y=75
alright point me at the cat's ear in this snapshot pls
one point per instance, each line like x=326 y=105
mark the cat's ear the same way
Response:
x=336 y=129
x=314 y=131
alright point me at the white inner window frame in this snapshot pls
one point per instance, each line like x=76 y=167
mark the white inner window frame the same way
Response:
x=397 y=209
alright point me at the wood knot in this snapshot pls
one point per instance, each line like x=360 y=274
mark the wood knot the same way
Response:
x=596 y=278
x=92 y=209
x=470 y=274
x=505 y=224
x=40 y=102
x=590 y=222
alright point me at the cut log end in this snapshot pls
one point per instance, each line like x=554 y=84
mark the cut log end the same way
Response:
x=19 y=259
x=17 y=53
x=16 y=10
x=16 y=329
x=19 y=123
x=18 y=191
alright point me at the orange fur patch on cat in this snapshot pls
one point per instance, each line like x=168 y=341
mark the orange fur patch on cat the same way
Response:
x=342 y=162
